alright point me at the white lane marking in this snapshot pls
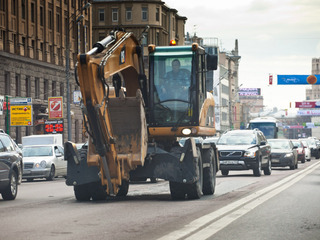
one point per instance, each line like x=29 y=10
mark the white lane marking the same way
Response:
x=232 y=209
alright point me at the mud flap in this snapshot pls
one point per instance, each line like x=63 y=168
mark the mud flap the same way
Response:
x=169 y=166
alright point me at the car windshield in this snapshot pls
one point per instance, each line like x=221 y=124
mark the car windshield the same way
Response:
x=279 y=144
x=237 y=139
x=37 y=151
x=297 y=144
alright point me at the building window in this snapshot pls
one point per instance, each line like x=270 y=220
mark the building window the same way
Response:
x=58 y=23
x=101 y=15
x=23 y=9
x=41 y=16
x=50 y=25
x=28 y=87
x=7 y=83
x=173 y=24
x=114 y=14
x=144 y=14
x=18 y=86
x=37 y=88
x=145 y=39
x=13 y=7
x=32 y=12
x=46 y=89
x=158 y=14
x=157 y=38
x=61 y=89
x=54 y=88
x=129 y=13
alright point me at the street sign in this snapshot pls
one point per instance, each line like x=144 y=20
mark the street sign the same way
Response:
x=298 y=79
x=20 y=101
x=77 y=97
x=21 y=115
x=55 y=107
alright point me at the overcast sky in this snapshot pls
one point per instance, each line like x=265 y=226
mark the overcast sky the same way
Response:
x=274 y=36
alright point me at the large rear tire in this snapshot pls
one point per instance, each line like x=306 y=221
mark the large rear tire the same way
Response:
x=82 y=192
x=177 y=190
x=209 y=172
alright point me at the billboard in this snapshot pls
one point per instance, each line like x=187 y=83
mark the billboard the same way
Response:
x=21 y=115
x=308 y=113
x=308 y=104
x=249 y=91
x=298 y=79
x=55 y=107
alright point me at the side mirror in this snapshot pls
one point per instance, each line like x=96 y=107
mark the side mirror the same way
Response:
x=263 y=143
x=58 y=155
x=212 y=62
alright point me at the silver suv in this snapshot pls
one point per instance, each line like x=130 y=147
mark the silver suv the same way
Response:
x=243 y=150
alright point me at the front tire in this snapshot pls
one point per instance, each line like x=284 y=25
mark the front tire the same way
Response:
x=52 y=173
x=209 y=173
x=194 y=190
x=177 y=190
x=268 y=170
x=11 y=191
x=257 y=169
x=123 y=189
x=82 y=192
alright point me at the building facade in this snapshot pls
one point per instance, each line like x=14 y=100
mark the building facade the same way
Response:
x=33 y=47
x=314 y=92
x=164 y=23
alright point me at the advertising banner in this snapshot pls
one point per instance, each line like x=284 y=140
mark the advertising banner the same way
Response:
x=21 y=115
x=307 y=104
x=249 y=92
x=298 y=79
x=308 y=113
x=55 y=107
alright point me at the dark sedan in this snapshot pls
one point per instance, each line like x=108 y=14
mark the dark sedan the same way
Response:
x=283 y=153
x=10 y=167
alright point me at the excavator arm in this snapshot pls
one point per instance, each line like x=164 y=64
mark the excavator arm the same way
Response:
x=114 y=117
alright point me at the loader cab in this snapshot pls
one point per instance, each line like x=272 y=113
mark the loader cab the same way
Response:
x=176 y=95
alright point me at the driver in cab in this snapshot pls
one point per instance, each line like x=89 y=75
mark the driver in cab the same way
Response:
x=177 y=81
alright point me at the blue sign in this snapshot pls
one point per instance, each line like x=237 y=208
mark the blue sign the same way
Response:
x=298 y=79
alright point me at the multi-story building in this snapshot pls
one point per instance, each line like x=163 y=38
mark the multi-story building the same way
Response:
x=33 y=49
x=165 y=24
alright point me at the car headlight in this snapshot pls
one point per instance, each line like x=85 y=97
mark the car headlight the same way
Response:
x=288 y=155
x=42 y=164
x=250 y=154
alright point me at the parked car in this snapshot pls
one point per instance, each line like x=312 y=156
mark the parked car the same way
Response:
x=307 y=150
x=283 y=153
x=243 y=150
x=300 y=150
x=43 y=161
x=10 y=167
x=315 y=149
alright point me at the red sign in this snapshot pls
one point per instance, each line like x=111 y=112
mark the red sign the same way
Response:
x=307 y=104
x=270 y=79
x=55 y=107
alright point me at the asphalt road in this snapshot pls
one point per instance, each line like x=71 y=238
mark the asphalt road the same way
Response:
x=284 y=205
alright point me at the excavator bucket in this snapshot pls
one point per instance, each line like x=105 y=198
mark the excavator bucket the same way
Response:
x=129 y=128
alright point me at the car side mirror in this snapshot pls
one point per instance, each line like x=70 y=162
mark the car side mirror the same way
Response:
x=59 y=155
x=263 y=143
x=295 y=147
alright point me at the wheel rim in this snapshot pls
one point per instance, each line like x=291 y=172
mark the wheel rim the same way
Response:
x=13 y=185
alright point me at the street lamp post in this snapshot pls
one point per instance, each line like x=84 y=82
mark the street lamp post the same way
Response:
x=70 y=24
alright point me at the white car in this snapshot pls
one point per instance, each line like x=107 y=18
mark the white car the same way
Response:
x=307 y=150
x=43 y=161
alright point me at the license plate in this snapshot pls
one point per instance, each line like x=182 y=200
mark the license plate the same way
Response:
x=26 y=171
x=275 y=160
x=230 y=162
